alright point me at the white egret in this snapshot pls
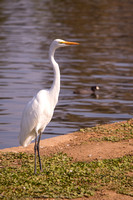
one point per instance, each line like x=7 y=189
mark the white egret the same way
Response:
x=39 y=111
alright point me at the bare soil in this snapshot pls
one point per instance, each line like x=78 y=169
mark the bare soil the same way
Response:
x=80 y=146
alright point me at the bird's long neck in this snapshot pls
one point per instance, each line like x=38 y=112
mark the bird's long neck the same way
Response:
x=55 y=88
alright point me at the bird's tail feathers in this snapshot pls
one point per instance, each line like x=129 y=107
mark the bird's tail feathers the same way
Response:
x=26 y=141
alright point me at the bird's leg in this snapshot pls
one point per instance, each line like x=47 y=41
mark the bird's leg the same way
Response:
x=35 y=148
x=38 y=150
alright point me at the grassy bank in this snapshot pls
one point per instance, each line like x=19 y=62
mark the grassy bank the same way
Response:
x=63 y=177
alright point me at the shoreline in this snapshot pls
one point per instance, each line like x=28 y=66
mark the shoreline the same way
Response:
x=45 y=143
x=99 y=142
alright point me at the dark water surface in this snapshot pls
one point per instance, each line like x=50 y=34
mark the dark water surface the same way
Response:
x=104 y=57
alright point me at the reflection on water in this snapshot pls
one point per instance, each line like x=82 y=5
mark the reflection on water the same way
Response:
x=104 y=58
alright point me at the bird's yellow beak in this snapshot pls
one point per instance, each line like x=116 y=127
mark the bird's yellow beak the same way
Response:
x=69 y=43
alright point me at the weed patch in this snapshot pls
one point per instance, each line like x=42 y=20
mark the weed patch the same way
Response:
x=62 y=178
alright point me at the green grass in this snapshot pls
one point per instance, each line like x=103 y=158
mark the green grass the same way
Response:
x=115 y=132
x=62 y=178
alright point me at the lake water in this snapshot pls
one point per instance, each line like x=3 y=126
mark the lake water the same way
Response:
x=104 y=58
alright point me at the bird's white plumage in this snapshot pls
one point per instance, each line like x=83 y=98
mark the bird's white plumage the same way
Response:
x=36 y=115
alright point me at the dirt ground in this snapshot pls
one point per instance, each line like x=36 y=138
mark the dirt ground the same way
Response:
x=79 y=146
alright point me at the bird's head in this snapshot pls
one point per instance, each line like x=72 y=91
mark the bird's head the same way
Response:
x=62 y=43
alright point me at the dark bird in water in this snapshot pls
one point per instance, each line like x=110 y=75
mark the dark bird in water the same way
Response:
x=90 y=91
